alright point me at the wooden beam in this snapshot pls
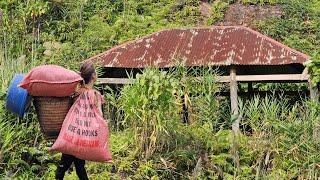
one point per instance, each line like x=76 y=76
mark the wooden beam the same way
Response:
x=234 y=100
x=305 y=71
x=115 y=81
x=223 y=79
x=263 y=93
x=226 y=79
x=269 y=77
x=273 y=77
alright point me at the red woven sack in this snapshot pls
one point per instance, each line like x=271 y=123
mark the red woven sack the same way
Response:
x=51 y=80
x=84 y=133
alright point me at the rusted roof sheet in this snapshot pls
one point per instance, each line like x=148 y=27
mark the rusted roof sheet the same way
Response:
x=217 y=45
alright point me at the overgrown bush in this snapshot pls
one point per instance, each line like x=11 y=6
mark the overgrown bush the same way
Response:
x=153 y=105
x=280 y=140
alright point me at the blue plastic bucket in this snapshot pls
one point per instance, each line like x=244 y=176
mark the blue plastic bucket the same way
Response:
x=18 y=99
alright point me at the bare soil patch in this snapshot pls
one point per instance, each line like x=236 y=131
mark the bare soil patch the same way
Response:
x=248 y=15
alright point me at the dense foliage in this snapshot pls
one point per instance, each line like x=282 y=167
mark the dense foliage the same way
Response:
x=149 y=138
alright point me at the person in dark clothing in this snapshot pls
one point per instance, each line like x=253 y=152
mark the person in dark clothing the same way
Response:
x=65 y=163
x=88 y=73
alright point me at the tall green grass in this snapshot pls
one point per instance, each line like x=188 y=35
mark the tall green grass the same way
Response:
x=282 y=139
x=22 y=153
x=279 y=139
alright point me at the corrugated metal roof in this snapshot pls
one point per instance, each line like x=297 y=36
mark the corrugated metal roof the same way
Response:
x=217 y=45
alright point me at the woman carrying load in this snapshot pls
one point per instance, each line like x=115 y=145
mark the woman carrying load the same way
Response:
x=88 y=73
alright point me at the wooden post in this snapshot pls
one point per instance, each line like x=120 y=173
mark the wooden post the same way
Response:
x=234 y=100
x=250 y=89
x=314 y=92
x=313 y=88
x=234 y=116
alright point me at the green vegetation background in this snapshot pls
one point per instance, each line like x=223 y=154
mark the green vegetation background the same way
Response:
x=66 y=32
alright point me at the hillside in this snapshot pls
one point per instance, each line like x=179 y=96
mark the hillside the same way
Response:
x=284 y=144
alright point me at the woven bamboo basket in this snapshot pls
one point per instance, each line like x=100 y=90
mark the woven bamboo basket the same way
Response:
x=51 y=112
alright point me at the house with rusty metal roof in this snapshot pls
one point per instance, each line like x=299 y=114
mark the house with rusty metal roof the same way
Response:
x=217 y=45
x=242 y=55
